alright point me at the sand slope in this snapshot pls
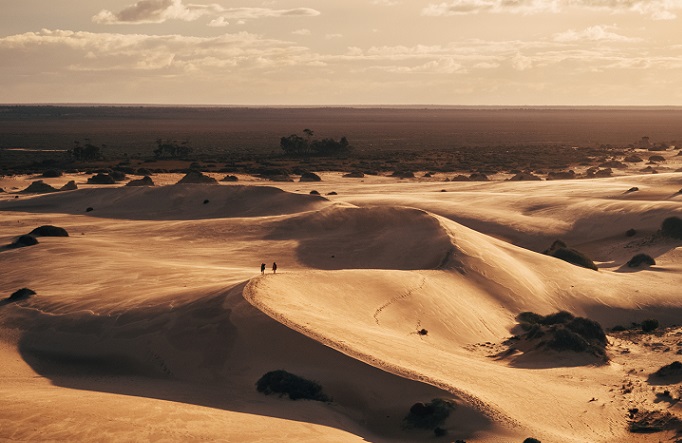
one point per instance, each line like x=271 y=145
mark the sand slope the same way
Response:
x=152 y=321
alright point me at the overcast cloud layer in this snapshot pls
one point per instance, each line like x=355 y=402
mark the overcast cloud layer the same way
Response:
x=461 y=52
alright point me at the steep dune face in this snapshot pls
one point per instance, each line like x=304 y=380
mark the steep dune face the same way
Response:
x=177 y=202
x=367 y=238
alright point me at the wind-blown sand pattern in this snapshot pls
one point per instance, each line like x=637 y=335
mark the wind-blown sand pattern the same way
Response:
x=152 y=321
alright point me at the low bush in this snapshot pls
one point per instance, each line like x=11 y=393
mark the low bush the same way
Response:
x=531 y=440
x=672 y=227
x=49 y=231
x=641 y=260
x=561 y=251
x=284 y=383
x=23 y=241
x=649 y=325
x=429 y=415
x=21 y=294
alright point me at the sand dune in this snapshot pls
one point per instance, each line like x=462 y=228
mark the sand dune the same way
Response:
x=152 y=321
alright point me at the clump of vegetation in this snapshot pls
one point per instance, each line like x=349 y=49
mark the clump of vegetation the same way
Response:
x=561 y=251
x=284 y=383
x=630 y=232
x=562 y=331
x=429 y=415
x=21 y=294
x=144 y=181
x=531 y=440
x=649 y=325
x=49 y=231
x=310 y=177
x=172 y=149
x=52 y=173
x=295 y=145
x=641 y=260
x=672 y=227
x=648 y=422
x=23 y=241
x=101 y=179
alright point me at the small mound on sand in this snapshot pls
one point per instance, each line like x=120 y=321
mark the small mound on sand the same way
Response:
x=21 y=294
x=478 y=177
x=403 y=174
x=561 y=175
x=70 y=186
x=633 y=159
x=284 y=383
x=144 y=181
x=562 y=331
x=101 y=179
x=641 y=260
x=23 y=241
x=197 y=177
x=49 y=231
x=230 y=178
x=39 y=187
x=561 y=251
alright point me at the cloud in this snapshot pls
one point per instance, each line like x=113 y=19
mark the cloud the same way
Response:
x=159 y=11
x=593 y=34
x=301 y=32
x=333 y=36
x=219 y=22
x=385 y=2
x=521 y=62
x=155 y=11
x=655 y=9
x=256 y=13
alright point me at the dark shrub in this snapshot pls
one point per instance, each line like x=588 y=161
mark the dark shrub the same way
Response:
x=310 y=177
x=49 y=231
x=525 y=176
x=672 y=227
x=633 y=189
x=567 y=340
x=143 y=171
x=354 y=174
x=649 y=325
x=282 y=382
x=21 y=294
x=89 y=209
x=101 y=179
x=118 y=176
x=529 y=317
x=460 y=178
x=618 y=328
x=314 y=192
x=531 y=440
x=556 y=318
x=332 y=193
x=561 y=251
x=478 y=177
x=403 y=174
x=51 y=173
x=23 y=241
x=656 y=158
x=633 y=159
x=630 y=233
x=641 y=260
x=588 y=329
x=429 y=415
x=230 y=178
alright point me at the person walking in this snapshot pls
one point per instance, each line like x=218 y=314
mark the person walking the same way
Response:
x=274 y=267
x=262 y=268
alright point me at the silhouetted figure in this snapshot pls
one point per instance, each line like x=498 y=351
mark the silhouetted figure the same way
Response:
x=274 y=267
x=262 y=268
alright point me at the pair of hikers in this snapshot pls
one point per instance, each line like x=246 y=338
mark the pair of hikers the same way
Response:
x=274 y=268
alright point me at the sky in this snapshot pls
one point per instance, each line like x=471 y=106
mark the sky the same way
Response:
x=345 y=52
